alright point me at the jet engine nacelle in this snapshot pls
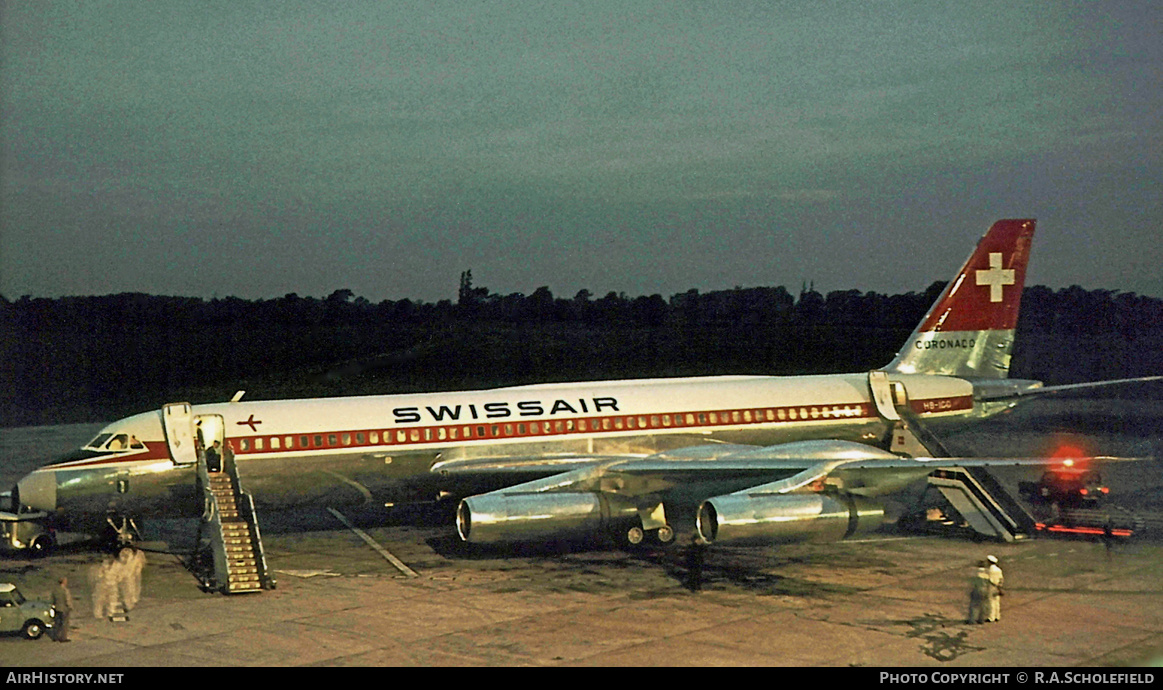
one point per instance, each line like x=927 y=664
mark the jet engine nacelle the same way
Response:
x=786 y=518
x=512 y=517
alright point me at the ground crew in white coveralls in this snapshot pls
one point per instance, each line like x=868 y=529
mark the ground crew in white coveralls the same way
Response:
x=996 y=582
x=979 y=587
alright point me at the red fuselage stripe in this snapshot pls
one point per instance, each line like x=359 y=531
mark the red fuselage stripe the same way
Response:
x=485 y=430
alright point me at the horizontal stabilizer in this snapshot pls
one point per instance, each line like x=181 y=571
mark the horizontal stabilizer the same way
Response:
x=1014 y=393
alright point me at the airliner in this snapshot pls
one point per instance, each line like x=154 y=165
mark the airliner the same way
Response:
x=759 y=458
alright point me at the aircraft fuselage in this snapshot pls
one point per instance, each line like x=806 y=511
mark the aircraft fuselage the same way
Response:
x=392 y=449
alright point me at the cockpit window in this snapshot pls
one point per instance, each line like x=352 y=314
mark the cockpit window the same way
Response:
x=99 y=441
x=116 y=442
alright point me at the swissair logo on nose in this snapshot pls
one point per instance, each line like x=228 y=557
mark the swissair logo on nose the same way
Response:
x=995 y=277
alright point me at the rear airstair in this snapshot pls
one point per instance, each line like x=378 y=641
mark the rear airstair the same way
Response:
x=985 y=505
x=229 y=531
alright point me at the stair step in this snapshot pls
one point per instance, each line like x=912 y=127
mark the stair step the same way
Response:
x=236 y=537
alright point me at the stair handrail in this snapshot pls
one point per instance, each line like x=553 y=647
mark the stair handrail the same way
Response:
x=268 y=582
x=245 y=503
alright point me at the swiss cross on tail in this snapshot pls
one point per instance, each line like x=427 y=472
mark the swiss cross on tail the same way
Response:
x=988 y=290
x=995 y=277
x=969 y=330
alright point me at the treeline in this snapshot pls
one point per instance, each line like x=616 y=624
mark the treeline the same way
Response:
x=98 y=358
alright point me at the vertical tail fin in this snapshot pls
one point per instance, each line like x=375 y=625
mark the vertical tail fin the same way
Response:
x=969 y=331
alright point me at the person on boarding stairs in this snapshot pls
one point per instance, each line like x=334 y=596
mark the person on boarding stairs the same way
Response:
x=214 y=457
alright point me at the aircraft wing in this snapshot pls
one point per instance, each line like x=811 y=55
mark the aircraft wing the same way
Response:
x=780 y=469
x=602 y=491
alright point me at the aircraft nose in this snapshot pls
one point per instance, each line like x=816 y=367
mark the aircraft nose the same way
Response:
x=38 y=490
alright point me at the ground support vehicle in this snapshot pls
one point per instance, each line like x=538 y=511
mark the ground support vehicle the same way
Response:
x=24 y=530
x=29 y=617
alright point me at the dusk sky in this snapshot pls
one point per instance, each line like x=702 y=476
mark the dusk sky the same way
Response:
x=256 y=149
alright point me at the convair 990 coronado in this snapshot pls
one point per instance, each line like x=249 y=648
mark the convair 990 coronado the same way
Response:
x=762 y=459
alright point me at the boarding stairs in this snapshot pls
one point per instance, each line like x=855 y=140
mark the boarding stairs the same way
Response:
x=230 y=526
x=985 y=505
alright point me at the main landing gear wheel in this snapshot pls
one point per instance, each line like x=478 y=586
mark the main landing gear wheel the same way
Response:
x=635 y=536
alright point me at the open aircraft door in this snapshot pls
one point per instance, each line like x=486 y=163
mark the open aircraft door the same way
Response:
x=885 y=395
x=178 y=420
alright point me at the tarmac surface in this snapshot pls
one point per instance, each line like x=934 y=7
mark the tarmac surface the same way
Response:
x=890 y=602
